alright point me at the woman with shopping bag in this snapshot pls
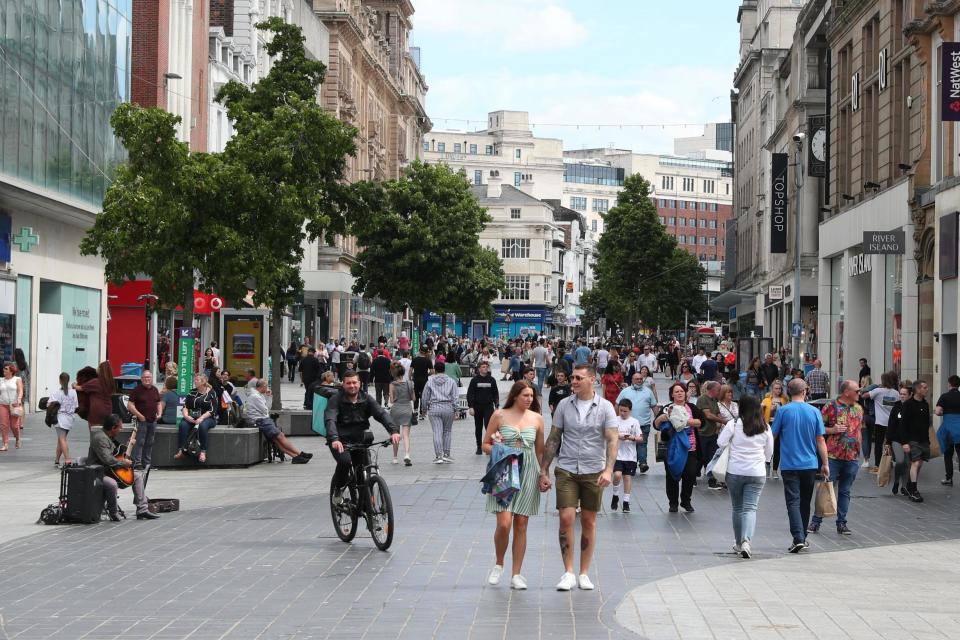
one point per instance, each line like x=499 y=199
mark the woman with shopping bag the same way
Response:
x=748 y=443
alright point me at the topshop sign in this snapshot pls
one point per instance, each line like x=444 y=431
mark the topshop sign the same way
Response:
x=778 y=204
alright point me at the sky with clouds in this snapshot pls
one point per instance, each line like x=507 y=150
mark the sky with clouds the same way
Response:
x=585 y=62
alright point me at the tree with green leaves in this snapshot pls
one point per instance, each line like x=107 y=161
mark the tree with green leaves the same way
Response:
x=293 y=157
x=166 y=214
x=640 y=275
x=420 y=245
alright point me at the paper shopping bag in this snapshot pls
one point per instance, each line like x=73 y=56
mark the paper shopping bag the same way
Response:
x=826 y=500
x=934 y=444
x=885 y=469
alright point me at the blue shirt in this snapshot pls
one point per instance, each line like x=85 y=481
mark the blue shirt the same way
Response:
x=581 y=355
x=643 y=403
x=798 y=424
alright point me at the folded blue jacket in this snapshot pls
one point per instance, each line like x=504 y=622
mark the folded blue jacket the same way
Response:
x=497 y=479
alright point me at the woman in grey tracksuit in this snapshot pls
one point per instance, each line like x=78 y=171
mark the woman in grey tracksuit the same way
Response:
x=440 y=398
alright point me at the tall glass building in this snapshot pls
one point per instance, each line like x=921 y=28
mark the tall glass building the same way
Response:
x=64 y=68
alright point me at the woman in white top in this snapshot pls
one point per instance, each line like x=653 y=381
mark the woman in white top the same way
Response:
x=751 y=446
x=11 y=404
x=729 y=410
x=67 y=398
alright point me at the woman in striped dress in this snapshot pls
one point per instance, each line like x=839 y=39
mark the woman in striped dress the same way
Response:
x=518 y=424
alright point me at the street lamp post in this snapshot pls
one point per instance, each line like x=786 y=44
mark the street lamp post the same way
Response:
x=798 y=139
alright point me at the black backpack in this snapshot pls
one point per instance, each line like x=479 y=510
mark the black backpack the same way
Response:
x=363 y=360
x=53 y=408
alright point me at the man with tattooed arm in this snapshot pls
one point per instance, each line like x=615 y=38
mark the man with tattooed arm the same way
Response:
x=584 y=442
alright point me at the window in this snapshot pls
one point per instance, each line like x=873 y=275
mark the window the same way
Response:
x=457 y=148
x=681 y=222
x=516 y=179
x=713 y=207
x=713 y=242
x=601 y=205
x=671 y=204
x=488 y=150
x=514 y=214
x=473 y=149
x=514 y=248
x=593 y=226
x=663 y=220
x=426 y=146
x=728 y=188
x=517 y=155
x=663 y=203
x=666 y=183
x=441 y=146
x=478 y=176
x=713 y=224
x=703 y=240
x=682 y=239
x=671 y=222
x=683 y=204
x=709 y=186
x=578 y=203
x=688 y=184
x=546 y=289
x=703 y=224
x=546 y=250
x=518 y=288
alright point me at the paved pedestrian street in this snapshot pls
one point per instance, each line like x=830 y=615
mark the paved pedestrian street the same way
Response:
x=238 y=563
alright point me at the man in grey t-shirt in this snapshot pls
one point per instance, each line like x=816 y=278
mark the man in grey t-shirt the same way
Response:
x=540 y=362
x=584 y=440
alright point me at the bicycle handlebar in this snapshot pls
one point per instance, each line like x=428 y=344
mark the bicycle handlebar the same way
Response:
x=360 y=445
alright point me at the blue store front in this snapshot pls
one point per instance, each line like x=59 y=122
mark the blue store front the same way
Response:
x=519 y=321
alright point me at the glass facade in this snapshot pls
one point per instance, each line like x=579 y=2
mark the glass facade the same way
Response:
x=593 y=174
x=64 y=68
x=837 y=294
x=725 y=136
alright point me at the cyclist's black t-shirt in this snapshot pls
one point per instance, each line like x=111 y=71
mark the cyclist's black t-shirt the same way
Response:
x=950 y=401
x=421 y=367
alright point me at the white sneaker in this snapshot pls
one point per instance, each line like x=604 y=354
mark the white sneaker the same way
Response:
x=567 y=582
x=438 y=461
x=518 y=582
x=745 y=551
x=495 y=573
x=395 y=461
x=736 y=549
x=447 y=459
x=585 y=583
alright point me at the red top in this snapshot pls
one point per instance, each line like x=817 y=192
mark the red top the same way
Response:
x=101 y=404
x=612 y=385
x=146 y=400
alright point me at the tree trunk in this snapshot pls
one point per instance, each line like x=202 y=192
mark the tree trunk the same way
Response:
x=443 y=325
x=276 y=354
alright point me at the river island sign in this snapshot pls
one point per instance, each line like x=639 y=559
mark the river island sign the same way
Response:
x=884 y=242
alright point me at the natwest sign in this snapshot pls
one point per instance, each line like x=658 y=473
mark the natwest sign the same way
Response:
x=950 y=82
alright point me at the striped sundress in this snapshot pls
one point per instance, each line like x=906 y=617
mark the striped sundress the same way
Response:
x=525 y=502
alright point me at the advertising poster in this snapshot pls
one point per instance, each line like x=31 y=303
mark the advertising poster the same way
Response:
x=186 y=359
x=243 y=345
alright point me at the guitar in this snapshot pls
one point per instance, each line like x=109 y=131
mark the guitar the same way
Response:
x=124 y=475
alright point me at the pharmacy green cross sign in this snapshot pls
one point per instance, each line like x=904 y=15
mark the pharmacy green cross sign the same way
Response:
x=26 y=240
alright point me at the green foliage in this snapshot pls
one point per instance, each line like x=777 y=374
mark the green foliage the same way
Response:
x=641 y=276
x=166 y=214
x=419 y=244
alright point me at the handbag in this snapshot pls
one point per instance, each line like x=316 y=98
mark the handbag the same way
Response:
x=16 y=412
x=934 y=444
x=825 y=502
x=661 y=452
x=885 y=468
x=718 y=465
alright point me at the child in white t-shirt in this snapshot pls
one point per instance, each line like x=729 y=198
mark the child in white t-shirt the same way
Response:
x=626 y=465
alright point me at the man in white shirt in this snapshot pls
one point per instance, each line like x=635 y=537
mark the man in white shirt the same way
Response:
x=540 y=363
x=405 y=361
x=257 y=410
x=698 y=360
x=602 y=358
x=648 y=360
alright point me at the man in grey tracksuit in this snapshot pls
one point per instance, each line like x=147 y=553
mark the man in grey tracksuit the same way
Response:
x=440 y=398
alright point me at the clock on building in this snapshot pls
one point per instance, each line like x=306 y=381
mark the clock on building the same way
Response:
x=817 y=156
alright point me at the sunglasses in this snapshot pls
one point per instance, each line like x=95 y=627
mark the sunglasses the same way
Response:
x=578 y=377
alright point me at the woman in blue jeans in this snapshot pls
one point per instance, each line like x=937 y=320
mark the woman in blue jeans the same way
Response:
x=751 y=446
x=199 y=408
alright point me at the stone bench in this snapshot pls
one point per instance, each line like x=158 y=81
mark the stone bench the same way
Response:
x=227 y=447
x=296 y=422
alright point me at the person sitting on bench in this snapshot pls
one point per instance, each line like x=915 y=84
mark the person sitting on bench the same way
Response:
x=102 y=446
x=257 y=410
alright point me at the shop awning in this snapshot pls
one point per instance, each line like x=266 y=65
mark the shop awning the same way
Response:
x=731 y=298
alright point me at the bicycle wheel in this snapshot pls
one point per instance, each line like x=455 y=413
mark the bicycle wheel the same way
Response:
x=381 y=512
x=344 y=514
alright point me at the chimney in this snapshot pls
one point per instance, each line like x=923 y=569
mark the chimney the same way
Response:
x=526 y=183
x=493 y=185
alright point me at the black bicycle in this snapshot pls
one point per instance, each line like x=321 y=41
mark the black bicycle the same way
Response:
x=367 y=495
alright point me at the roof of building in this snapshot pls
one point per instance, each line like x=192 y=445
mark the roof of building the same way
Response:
x=563 y=214
x=508 y=195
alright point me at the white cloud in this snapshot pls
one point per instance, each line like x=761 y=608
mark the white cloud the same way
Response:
x=650 y=95
x=510 y=25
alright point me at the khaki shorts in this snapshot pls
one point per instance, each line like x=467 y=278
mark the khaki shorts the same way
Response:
x=581 y=490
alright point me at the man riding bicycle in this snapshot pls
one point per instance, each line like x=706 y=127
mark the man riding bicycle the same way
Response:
x=347 y=417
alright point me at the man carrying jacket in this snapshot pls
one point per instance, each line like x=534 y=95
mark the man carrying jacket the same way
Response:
x=483 y=398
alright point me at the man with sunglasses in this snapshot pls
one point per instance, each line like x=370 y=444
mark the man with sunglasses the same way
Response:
x=584 y=439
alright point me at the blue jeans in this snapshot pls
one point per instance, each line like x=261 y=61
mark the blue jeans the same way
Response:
x=541 y=376
x=843 y=473
x=183 y=432
x=642 y=446
x=143 y=449
x=797 y=493
x=744 y=496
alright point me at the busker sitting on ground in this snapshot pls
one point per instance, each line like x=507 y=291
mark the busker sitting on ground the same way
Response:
x=103 y=444
x=256 y=409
